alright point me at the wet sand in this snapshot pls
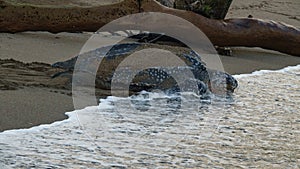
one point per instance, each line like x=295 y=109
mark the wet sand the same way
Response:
x=32 y=106
x=28 y=107
x=248 y=60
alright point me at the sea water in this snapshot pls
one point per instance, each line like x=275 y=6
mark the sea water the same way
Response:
x=258 y=127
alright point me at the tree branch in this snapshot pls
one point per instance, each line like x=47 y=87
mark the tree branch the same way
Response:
x=246 y=32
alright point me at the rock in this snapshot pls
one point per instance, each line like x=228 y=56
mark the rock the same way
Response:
x=216 y=9
x=168 y=3
x=225 y=51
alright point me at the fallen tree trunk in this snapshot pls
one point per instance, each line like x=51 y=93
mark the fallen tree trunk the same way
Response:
x=246 y=32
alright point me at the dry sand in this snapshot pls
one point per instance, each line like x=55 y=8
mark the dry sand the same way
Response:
x=286 y=11
x=28 y=107
x=41 y=46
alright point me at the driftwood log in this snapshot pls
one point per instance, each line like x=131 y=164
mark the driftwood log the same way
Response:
x=246 y=32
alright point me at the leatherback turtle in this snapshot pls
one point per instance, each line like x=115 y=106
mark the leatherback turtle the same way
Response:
x=149 y=79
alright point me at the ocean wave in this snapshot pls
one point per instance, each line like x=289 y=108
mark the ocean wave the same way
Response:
x=106 y=103
x=263 y=119
x=262 y=72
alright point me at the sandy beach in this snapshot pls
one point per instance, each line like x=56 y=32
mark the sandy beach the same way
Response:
x=30 y=106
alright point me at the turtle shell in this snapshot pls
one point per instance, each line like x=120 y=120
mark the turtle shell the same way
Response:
x=149 y=78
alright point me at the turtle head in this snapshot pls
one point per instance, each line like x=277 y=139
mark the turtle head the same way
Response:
x=221 y=82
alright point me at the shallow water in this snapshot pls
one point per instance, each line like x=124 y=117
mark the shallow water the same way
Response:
x=259 y=127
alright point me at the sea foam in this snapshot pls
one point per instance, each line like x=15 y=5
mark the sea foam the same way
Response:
x=263 y=119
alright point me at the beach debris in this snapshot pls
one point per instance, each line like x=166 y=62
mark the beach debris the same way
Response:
x=247 y=32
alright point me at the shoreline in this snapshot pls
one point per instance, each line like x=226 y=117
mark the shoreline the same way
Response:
x=39 y=105
x=50 y=48
x=69 y=115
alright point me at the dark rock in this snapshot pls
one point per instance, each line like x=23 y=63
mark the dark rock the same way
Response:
x=216 y=9
x=225 y=51
x=168 y=3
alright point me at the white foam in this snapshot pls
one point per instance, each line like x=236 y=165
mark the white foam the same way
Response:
x=107 y=103
x=128 y=138
x=262 y=72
